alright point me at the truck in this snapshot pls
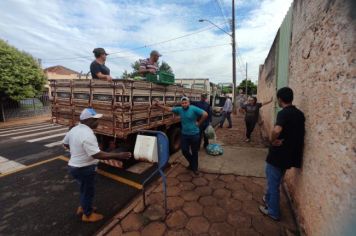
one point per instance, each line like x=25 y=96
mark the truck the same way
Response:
x=212 y=90
x=126 y=105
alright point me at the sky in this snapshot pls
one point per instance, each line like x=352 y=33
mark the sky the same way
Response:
x=65 y=32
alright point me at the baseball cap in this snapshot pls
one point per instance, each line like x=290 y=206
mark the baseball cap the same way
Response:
x=99 y=51
x=155 y=53
x=184 y=99
x=89 y=113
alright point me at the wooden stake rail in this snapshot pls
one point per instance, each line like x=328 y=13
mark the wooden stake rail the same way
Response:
x=125 y=104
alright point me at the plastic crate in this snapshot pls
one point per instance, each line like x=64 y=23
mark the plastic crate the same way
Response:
x=161 y=78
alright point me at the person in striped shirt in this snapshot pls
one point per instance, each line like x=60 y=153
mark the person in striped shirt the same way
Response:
x=149 y=65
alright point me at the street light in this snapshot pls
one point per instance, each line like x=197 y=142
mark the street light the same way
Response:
x=232 y=35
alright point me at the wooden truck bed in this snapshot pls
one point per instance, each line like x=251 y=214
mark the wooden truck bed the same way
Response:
x=125 y=104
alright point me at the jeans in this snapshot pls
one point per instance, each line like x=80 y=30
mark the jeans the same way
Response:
x=274 y=179
x=250 y=125
x=226 y=115
x=85 y=176
x=203 y=136
x=190 y=148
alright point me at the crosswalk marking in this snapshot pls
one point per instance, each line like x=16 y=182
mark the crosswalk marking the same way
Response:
x=9 y=166
x=9 y=133
x=54 y=144
x=44 y=138
x=24 y=126
x=40 y=133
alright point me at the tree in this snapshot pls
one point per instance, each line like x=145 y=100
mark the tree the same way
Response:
x=165 y=67
x=251 y=87
x=136 y=66
x=20 y=75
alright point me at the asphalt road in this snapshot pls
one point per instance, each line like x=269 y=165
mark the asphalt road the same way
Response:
x=39 y=197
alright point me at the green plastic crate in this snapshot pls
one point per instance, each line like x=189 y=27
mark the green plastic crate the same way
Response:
x=161 y=78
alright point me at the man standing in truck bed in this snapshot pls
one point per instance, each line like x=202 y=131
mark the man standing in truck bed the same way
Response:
x=191 y=118
x=98 y=69
x=149 y=65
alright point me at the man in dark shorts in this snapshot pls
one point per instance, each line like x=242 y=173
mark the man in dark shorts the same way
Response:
x=98 y=69
x=286 y=151
x=252 y=111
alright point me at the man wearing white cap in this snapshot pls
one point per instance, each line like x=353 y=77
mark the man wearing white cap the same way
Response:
x=191 y=118
x=84 y=152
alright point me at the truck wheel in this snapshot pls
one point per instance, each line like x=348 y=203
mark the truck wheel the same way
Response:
x=174 y=139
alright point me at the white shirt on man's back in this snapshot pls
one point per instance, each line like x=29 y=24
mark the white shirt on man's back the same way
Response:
x=83 y=145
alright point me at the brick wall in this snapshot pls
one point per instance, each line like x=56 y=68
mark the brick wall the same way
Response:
x=322 y=74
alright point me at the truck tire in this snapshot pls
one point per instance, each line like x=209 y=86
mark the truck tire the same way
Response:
x=174 y=139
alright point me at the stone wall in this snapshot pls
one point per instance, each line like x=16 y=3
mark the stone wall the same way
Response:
x=322 y=74
x=266 y=87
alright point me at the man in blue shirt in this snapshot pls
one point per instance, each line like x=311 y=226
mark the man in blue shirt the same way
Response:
x=205 y=106
x=191 y=118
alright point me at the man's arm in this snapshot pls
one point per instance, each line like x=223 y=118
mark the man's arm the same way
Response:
x=275 y=133
x=203 y=117
x=156 y=103
x=104 y=77
x=268 y=102
x=277 y=129
x=107 y=155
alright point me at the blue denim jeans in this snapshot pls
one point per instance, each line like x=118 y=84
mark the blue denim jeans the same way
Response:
x=85 y=176
x=274 y=179
x=190 y=148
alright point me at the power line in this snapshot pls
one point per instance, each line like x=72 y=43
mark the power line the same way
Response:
x=222 y=13
x=184 y=50
x=140 y=47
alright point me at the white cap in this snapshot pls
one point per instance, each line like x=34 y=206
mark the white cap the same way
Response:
x=89 y=113
x=184 y=98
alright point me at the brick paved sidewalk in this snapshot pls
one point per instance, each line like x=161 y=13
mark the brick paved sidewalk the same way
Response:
x=210 y=204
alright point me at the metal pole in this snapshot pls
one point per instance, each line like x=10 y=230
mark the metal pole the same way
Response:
x=233 y=58
x=246 y=79
x=3 y=112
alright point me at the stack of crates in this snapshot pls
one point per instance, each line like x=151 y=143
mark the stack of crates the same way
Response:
x=126 y=105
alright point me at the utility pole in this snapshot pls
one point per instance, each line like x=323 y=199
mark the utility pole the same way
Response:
x=233 y=58
x=246 y=79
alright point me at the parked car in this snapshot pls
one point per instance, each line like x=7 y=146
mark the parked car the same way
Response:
x=218 y=106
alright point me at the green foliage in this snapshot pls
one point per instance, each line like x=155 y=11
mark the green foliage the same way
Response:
x=164 y=66
x=226 y=90
x=20 y=75
x=251 y=87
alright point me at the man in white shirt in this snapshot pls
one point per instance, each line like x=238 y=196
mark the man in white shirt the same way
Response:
x=85 y=152
x=227 y=109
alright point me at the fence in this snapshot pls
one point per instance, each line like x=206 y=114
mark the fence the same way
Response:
x=28 y=107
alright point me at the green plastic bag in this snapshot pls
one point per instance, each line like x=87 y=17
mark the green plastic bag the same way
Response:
x=210 y=132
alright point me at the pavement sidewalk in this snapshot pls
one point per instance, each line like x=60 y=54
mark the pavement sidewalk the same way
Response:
x=214 y=203
x=25 y=121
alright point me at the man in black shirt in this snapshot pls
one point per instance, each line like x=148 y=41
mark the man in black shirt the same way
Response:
x=205 y=106
x=98 y=69
x=286 y=151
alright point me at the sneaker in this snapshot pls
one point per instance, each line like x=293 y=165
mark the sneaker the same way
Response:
x=247 y=140
x=93 y=217
x=80 y=210
x=264 y=210
x=264 y=200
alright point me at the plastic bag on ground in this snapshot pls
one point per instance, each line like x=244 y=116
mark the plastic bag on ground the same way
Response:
x=214 y=149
